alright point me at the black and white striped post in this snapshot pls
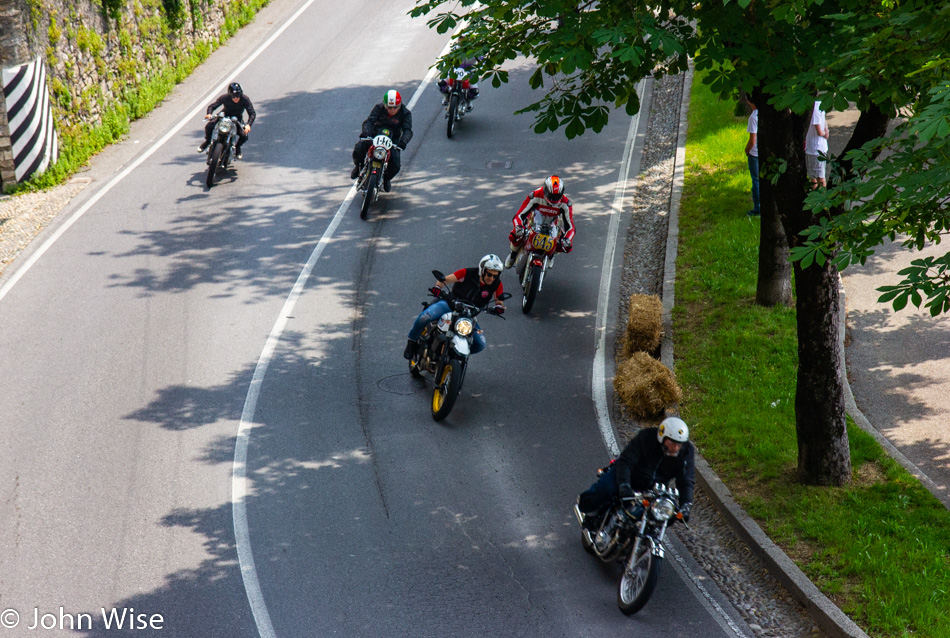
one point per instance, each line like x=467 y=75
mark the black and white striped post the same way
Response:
x=30 y=136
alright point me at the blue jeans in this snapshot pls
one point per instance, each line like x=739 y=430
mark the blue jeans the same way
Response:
x=435 y=311
x=601 y=493
x=754 y=172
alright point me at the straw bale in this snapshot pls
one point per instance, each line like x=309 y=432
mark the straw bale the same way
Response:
x=646 y=386
x=644 y=325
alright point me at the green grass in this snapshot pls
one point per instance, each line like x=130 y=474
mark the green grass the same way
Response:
x=879 y=548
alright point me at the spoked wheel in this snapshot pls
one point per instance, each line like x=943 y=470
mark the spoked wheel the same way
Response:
x=639 y=578
x=531 y=288
x=372 y=185
x=213 y=164
x=453 y=114
x=447 y=388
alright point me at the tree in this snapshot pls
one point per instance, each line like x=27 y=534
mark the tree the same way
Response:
x=591 y=54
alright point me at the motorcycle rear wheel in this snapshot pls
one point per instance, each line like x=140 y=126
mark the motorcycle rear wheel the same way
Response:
x=453 y=115
x=638 y=582
x=446 y=390
x=372 y=186
x=213 y=164
x=531 y=288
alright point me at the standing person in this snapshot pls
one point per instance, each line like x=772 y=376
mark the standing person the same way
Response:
x=752 y=153
x=389 y=114
x=654 y=455
x=477 y=286
x=234 y=103
x=816 y=145
x=550 y=201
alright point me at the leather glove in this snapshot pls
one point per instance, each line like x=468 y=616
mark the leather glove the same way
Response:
x=436 y=291
x=685 y=512
x=566 y=245
x=626 y=492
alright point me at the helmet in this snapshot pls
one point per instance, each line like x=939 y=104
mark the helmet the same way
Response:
x=490 y=262
x=554 y=189
x=392 y=98
x=673 y=428
x=235 y=90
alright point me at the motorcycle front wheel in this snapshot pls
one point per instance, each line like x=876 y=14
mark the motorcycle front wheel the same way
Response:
x=453 y=115
x=372 y=186
x=213 y=163
x=531 y=288
x=447 y=388
x=639 y=579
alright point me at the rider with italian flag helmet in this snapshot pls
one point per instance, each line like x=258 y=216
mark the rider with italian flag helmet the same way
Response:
x=390 y=114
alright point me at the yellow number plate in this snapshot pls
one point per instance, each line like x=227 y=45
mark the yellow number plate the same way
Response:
x=542 y=242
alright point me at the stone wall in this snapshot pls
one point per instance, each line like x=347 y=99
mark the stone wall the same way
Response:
x=102 y=53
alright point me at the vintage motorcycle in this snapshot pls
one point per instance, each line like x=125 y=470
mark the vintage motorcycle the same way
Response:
x=221 y=149
x=370 y=180
x=444 y=348
x=632 y=533
x=457 y=103
x=536 y=258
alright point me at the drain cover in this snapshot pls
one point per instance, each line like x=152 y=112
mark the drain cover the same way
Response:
x=401 y=384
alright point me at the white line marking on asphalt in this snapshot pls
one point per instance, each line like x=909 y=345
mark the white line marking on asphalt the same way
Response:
x=599 y=384
x=239 y=468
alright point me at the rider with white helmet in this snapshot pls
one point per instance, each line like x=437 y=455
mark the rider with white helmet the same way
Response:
x=654 y=455
x=478 y=286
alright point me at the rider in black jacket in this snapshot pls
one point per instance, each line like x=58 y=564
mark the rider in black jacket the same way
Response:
x=654 y=455
x=234 y=103
x=389 y=114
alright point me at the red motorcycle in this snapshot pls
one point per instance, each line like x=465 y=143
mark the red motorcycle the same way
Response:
x=370 y=179
x=536 y=257
x=457 y=102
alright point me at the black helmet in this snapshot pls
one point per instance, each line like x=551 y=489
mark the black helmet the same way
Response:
x=235 y=90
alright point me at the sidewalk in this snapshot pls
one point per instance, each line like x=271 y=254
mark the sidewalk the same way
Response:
x=898 y=363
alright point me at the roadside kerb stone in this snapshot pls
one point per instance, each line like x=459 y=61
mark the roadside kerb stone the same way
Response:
x=829 y=617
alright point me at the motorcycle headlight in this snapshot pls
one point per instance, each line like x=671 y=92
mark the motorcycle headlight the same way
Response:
x=464 y=327
x=224 y=125
x=379 y=153
x=662 y=509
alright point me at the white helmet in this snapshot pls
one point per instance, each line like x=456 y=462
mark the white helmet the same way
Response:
x=673 y=428
x=490 y=262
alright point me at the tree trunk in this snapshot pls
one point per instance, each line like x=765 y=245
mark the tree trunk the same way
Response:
x=823 y=454
x=774 y=283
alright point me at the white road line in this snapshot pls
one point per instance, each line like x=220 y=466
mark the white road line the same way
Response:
x=239 y=468
x=599 y=382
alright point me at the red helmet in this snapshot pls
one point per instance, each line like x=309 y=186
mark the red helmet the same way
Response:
x=554 y=189
x=392 y=98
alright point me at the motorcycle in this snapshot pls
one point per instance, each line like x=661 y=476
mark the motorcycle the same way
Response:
x=370 y=179
x=444 y=348
x=536 y=258
x=457 y=103
x=221 y=149
x=632 y=533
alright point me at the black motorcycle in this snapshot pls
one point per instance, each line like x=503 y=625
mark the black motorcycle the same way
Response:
x=631 y=533
x=222 y=146
x=372 y=174
x=457 y=102
x=444 y=348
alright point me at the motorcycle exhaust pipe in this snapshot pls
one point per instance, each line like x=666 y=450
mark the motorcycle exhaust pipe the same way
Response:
x=578 y=514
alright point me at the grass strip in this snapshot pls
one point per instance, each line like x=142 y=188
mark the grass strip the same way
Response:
x=878 y=548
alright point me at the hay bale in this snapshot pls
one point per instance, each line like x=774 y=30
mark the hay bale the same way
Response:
x=646 y=386
x=644 y=325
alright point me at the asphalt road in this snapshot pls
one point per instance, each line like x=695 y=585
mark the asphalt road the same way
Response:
x=129 y=348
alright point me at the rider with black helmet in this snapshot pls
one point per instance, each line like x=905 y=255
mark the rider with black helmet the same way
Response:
x=234 y=103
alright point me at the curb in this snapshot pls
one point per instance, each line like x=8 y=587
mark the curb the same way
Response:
x=831 y=620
